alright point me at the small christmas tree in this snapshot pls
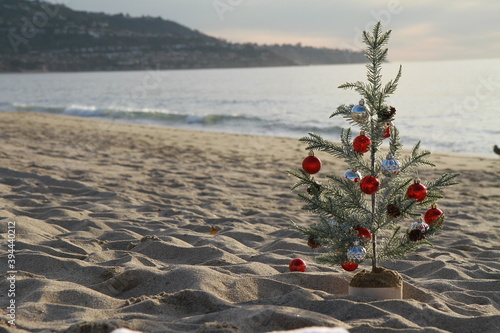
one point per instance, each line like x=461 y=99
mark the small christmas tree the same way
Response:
x=363 y=214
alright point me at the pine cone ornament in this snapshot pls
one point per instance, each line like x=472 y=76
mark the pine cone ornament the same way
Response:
x=418 y=230
x=416 y=235
x=314 y=188
x=312 y=243
x=393 y=210
x=387 y=114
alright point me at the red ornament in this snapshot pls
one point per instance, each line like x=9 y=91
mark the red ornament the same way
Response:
x=349 y=266
x=369 y=184
x=364 y=233
x=297 y=265
x=387 y=131
x=432 y=214
x=417 y=191
x=311 y=164
x=361 y=143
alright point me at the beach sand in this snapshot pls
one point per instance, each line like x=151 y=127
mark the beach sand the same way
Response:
x=113 y=229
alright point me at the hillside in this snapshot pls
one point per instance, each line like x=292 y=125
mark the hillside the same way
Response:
x=316 y=56
x=37 y=36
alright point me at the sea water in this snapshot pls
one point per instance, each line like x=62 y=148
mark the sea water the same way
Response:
x=450 y=106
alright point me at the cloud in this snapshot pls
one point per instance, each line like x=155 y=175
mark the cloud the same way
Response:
x=276 y=37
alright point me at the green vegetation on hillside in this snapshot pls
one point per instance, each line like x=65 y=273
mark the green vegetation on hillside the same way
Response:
x=38 y=36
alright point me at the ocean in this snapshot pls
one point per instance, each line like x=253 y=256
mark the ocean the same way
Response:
x=450 y=106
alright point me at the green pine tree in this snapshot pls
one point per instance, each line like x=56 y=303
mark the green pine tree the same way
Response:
x=346 y=213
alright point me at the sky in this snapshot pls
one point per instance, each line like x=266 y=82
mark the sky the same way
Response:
x=423 y=30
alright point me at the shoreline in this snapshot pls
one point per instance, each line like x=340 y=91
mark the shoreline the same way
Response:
x=407 y=62
x=215 y=132
x=113 y=228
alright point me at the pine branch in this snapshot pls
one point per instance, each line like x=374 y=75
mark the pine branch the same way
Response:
x=311 y=204
x=344 y=150
x=381 y=217
x=330 y=233
x=304 y=178
x=316 y=142
x=416 y=158
x=393 y=191
x=334 y=258
x=352 y=157
x=376 y=55
x=343 y=110
x=323 y=205
x=408 y=207
x=447 y=179
x=395 y=194
x=359 y=86
x=395 y=142
x=310 y=231
x=376 y=134
x=317 y=232
x=338 y=237
x=349 y=196
x=298 y=228
x=436 y=226
x=434 y=188
x=338 y=250
x=343 y=204
x=394 y=248
x=391 y=86
x=430 y=199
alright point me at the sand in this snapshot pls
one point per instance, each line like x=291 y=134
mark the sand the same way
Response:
x=113 y=229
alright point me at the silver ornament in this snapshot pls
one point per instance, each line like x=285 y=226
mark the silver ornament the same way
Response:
x=333 y=223
x=356 y=253
x=420 y=226
x=353 y=174
x=417 y=232
x=390 y=166
x=359 y=113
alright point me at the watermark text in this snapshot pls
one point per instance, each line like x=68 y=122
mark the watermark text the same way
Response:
x=11 y=273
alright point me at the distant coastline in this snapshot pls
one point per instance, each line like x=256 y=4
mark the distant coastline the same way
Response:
x=43 y=37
